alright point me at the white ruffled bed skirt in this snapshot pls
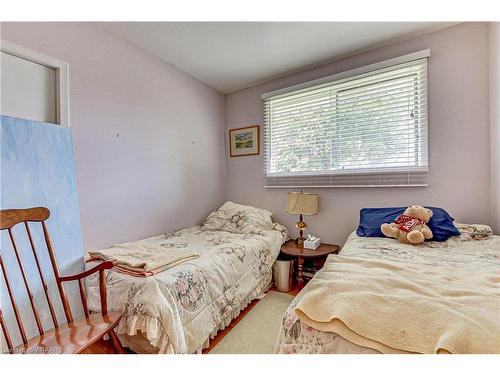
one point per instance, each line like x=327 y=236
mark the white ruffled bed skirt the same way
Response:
x=145 y=334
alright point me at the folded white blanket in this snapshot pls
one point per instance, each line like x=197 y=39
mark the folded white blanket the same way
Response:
x=142 y=258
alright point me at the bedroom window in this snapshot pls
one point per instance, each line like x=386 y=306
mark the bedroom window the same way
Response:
x=365 y=127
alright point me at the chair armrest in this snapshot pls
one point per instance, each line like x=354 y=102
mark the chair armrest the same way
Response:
x=106 y=265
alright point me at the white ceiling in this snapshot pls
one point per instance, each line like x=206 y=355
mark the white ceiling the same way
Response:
x=229 y=56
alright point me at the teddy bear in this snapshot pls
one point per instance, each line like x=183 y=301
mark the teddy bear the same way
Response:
x=410 y=227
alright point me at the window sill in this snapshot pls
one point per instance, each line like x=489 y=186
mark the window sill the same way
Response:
x=342 y=186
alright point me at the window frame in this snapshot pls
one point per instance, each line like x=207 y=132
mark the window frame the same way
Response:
x=338 y=77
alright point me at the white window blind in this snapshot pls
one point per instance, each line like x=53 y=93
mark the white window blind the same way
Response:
x=366 y=127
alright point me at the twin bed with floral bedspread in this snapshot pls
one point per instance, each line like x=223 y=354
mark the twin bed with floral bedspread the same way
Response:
x=437 y=297
x=181 y=308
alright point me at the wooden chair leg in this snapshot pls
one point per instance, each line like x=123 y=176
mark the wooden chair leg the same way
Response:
x=116 y=342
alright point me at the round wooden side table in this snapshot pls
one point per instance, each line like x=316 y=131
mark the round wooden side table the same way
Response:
x=293 y=250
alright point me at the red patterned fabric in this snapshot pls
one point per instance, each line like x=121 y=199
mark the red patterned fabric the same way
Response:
x=407 y=222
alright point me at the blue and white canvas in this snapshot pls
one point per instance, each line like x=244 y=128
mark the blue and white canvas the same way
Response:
x=37 y=169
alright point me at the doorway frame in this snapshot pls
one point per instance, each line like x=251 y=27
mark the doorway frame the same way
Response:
x=62 y=75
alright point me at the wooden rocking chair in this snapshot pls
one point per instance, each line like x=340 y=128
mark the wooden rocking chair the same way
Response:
x=74 y=336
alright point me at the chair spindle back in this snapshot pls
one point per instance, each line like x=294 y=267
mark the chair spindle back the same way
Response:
x=9 y=219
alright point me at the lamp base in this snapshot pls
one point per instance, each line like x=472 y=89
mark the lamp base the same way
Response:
x=300 y=225
x=300 y=241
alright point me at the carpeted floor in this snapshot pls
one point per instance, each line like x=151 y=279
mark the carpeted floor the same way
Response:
x=257 y=332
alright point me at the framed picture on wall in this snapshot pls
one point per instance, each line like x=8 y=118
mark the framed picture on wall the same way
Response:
x=244 y=141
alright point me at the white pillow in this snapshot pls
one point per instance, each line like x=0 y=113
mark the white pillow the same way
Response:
x=238 y=218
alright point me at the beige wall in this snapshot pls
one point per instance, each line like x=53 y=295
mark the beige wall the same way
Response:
x=495 y=124
x=166 y=169
x=459 y=178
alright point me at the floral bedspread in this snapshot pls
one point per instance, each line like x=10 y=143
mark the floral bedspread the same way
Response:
x=476 y=248
x=179 y=309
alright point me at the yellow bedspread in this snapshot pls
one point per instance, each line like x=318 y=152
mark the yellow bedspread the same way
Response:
x=401 y=307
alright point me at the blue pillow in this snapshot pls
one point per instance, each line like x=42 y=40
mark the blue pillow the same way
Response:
x=370 y=220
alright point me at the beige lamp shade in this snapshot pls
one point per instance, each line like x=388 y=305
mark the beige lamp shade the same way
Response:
x=302 y=203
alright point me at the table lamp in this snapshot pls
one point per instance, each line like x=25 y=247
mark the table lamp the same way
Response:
x=301 y=203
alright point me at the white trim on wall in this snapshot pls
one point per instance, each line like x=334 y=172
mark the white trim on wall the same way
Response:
x=62 y=75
